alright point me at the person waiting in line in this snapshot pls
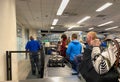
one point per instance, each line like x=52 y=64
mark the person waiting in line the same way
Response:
x=87 y=70
x=58 y=47
x=63 y=45
x=68 y=40
x=73 y=51
x=83 y=45
x=33 y=46
x=103 y=42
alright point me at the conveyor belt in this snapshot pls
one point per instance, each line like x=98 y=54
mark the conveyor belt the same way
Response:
x=56 y=71
x=56 y=74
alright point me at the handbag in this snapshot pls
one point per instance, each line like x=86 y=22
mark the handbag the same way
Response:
x=89 y=73
x=104 y=60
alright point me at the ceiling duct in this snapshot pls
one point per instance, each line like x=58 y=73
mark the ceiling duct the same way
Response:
x=66 y=14
x=57 y=26
x=101 y=15
x=103 y=32
x=81 y=25
x=47 y=32
x=23 y=0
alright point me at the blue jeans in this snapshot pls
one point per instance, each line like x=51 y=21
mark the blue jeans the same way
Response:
x=35 y=64
x=76 y=62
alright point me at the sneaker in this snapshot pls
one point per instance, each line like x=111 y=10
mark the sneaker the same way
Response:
x=79 y=75
x=75 y=73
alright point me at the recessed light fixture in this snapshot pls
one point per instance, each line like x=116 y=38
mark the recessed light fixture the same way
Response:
x=112 y=28
x=84 y=19
x=70 y=28
x=106 y=23
x=108 y=4
x=62 y=7
x=52 y=27
x=55 y=21
x=90 y=28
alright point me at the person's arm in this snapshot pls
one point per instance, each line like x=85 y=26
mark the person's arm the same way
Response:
x=39 y=45
x=27 y=48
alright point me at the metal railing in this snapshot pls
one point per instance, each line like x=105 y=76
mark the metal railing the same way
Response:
x=9 y=62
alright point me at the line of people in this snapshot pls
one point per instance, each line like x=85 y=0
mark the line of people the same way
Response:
x=81 y=61
x=80 y=58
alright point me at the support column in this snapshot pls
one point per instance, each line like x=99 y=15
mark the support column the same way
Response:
x=7 y=37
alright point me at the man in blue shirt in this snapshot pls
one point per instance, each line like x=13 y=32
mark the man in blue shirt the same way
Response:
x=74 y=49
x=33 y=46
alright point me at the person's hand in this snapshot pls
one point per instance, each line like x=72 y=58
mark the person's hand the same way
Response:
x=95 y=42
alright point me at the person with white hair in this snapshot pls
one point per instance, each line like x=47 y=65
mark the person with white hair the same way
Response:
x=83 y=45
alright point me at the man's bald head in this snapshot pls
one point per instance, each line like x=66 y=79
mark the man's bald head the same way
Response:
x=31 y=38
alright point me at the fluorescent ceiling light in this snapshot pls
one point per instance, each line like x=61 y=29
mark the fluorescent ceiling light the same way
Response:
x=62 y=7
x=104 y=7
x=84 y=19
x=106 y=23
x=112 y=28
x=52 y=27
x=90 y=28
x=55 y=21
x=70 y=28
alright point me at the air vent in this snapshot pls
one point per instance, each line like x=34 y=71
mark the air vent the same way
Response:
x=100 y=15
x=69 y=14
x=23 y=0
x=81 y=25
x=46 y=31
x=57 y=26
x=103 y=32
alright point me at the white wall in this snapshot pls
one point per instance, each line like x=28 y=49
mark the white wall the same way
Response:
x=24 y=69
x=33 y=33
x=24 y=66
x=7 y=36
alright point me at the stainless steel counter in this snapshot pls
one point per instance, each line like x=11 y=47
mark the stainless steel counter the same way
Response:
x=55 y=79
x=56 y=71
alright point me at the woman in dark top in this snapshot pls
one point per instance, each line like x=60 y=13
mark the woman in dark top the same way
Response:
x=63 y=45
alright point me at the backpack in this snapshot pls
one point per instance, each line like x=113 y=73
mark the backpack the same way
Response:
x=91 y=73
x=104 y=59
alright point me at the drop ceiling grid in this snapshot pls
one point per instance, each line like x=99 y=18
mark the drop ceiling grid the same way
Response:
x=40 y=13
x=81 y=8
x=23 y=13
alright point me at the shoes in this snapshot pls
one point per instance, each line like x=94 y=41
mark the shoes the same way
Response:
x=79 y=75
x=75 y=73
